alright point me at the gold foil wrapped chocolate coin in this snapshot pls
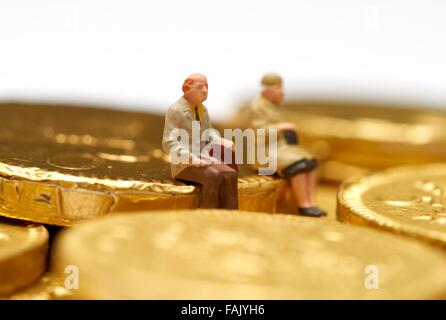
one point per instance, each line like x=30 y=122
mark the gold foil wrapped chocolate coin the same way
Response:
x=62 y=164
x=23 y=254
x=219 y=254
x=410 y=201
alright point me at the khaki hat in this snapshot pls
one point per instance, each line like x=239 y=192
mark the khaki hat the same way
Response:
x=270 y=79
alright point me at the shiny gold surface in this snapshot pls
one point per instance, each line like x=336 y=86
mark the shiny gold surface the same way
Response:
x=326 y=199
x=23 y=254
x=408 y=200
x=48 y=287
x=353 y=137
x=210 y=254
x=371 y=135
x=61 y=164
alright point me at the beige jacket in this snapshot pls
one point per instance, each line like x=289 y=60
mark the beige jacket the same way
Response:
x=264 y=114
x=179 y=115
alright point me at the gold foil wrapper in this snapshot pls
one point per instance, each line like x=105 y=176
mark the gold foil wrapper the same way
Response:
x=409 y=201
x=353 y=138
x=48 y=287
x=220 y=254
x=23 y=254
x=60 y=164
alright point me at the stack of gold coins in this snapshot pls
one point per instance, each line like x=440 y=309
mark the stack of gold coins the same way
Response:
x=59 y=165
x=62 y=164
x=65 y=165
x=364 y=145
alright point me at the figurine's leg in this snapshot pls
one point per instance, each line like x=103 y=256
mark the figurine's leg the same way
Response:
x=303 y=186
x=299 y=187
x=209 y=178
x=228 y=195
x=311 y=187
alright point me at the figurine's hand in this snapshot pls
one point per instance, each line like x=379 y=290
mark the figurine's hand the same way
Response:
x=205 y=161
x=228 y=144
x=283 y=126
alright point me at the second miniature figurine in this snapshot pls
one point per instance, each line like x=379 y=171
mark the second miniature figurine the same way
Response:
x=218 y=180
x=293 y=162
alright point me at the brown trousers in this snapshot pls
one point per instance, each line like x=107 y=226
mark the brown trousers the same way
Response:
x=218 y=182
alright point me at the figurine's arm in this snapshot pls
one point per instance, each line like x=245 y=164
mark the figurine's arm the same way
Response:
x=170 y=143
x=260 y=119
x=216 y=138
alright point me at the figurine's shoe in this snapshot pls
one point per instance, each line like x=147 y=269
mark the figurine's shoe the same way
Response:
x=312 y=212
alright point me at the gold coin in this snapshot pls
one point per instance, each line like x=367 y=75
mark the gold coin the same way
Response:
x=48 y=287
x=61 y=164
x=219 y=254
x=23 y=254
x=371 y=135
x=350 y=138
x=408 y=200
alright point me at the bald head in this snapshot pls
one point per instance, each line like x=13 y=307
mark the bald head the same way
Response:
x=195 y=88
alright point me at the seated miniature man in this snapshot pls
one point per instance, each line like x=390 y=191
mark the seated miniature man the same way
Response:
x=217 y=179
x=293 y=162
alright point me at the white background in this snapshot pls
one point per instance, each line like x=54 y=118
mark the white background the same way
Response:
x=136 y=54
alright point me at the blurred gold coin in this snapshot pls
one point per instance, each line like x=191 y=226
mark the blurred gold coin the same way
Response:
x=353 y=137
x=23 y=254
x=371 y=135
x=218 y=254
x=60 y=164
x=408 y=200
x=48 y=287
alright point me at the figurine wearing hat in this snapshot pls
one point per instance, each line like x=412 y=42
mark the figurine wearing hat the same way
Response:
x=293 y=162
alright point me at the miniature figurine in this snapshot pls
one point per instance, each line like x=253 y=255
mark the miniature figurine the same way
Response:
x=293 y=162
x=218 y=180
